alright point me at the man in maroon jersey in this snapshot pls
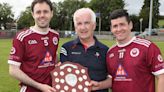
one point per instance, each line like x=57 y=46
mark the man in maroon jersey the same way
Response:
x=33 y=54
x=133 y=62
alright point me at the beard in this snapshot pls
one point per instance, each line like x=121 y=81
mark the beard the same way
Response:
x=46 y=26
x=43 y=26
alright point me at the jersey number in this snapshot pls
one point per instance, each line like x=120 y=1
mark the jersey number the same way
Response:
x=45 y=42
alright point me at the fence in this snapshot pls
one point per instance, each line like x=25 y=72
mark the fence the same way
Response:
x=64 y=34
x=7 y=34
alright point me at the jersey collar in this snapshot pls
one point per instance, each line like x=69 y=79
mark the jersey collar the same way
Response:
x=42 y=33
x=123 y=45
x=77 y=41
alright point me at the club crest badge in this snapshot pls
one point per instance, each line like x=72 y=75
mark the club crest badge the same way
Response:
x=55 y=40
x=160 y=59
x=12 y=50
x=134 y=52
x=97 y=54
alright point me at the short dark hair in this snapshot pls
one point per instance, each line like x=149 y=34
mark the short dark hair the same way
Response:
x=119 y=13
x=41 y=1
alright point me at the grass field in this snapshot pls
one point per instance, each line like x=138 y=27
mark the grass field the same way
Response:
x=7 y=83
x=161 y=23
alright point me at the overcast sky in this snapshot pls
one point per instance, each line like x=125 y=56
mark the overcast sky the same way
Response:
x=133 y=6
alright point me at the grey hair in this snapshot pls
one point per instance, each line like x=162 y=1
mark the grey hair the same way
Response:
x=90 y=11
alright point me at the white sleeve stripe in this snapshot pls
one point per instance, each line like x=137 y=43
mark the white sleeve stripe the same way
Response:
x=29 y=32
x=141 y=43
x=14 y=62
x=62 y=48
x=22 y=33
x=158 y=72
x=64 y=51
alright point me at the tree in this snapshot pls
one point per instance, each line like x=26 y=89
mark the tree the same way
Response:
x=136 y=22
x=25 y=20
x=65 y=12
x=104 y=7
x=145 y=13
x=55 y=21
x=6 y=15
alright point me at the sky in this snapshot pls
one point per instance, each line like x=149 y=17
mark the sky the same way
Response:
x=133 y=6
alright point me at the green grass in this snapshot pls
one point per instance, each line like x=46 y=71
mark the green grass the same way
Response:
x=161 y=46
x=9 y=84
x=161 y=23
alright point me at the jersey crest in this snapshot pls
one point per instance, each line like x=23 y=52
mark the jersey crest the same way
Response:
x=13 y=50
x=55 y=40
x=160 y=59
x=134 y=52
x=97 y=54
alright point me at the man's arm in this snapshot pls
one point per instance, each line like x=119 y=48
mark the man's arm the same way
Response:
x=21 y=76
x=160 y=79
x=63 y=54
x=105 y=84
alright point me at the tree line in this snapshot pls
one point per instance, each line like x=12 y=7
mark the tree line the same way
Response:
x=63 y=12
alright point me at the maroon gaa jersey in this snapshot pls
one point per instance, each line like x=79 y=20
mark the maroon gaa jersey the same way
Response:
x=36 y=53
x=134 y=65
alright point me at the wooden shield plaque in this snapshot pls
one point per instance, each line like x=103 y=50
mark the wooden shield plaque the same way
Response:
x=70 y=77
